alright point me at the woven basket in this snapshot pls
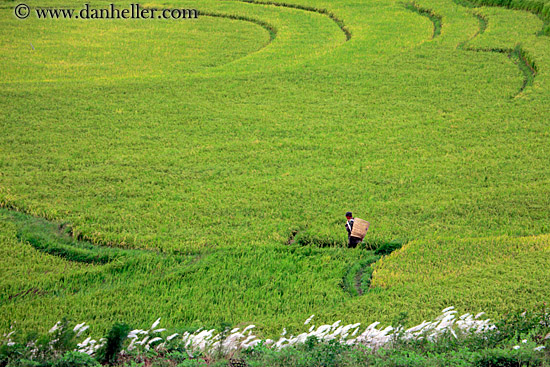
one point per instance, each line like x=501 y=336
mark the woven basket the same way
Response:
x=360 y=228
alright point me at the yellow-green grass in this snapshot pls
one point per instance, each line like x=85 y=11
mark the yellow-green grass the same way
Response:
x=69 y=50
x=210 y=141
x=492 y=273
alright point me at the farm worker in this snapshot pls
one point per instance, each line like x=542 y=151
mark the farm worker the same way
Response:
x=352 y=241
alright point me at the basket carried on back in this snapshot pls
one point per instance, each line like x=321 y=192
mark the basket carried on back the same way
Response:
x=360 y=228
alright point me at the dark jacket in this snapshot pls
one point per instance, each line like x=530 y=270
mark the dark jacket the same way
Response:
x=349 y=226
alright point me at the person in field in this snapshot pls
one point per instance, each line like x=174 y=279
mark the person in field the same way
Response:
x=352 y=241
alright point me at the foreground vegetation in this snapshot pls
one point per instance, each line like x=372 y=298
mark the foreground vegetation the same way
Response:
x=516 y=340
x=198 y=171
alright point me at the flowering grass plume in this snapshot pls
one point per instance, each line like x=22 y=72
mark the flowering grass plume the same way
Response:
x=227 y=342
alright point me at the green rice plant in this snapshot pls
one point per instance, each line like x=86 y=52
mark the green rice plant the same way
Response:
x=539 y=7
x=185 y=154
x=434 y=18
x=319 y=239
x=331 y=15
x=389 y=247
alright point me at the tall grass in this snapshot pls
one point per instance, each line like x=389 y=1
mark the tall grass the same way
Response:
x=448 y=340
x=185 y=154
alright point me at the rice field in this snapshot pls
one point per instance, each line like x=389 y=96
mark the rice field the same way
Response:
x=199 y=170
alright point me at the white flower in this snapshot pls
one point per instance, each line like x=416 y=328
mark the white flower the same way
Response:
x=55 y=327
x=538 y=349
x=516 y=347
x=135 y=333
x=155 y=324
x=84 y=343
x=154 y=340
x=172 y=336
x=372 y=337
x=250 y=344
x=78 y=326
x=418 y=327
x=524 y=341
x=82 y=330
x=322 y=330
x=373 y=325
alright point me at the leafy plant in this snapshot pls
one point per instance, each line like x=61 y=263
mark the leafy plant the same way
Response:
x=76 y=359
x=115 y=339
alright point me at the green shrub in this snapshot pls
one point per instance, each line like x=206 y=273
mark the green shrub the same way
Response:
x=115 y=338
x=161 y=363
x=9 y=352
x=76 y=359
x=191 y=363
x=178 y=356
x=63 y=338
x=508 y=358
x=24 y=363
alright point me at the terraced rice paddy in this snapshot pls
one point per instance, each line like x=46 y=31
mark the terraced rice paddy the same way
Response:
x=198 y=170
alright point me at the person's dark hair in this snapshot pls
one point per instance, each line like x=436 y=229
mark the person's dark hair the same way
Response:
x=348 y=214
